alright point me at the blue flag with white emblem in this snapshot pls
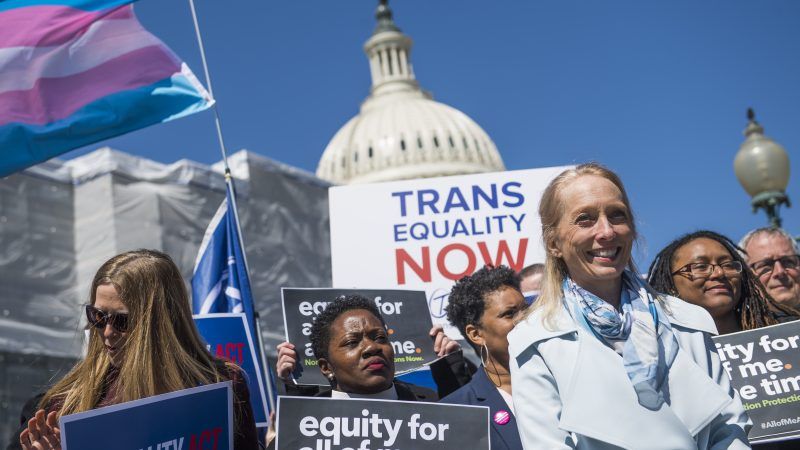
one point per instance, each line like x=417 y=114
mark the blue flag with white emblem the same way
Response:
x=220 y=283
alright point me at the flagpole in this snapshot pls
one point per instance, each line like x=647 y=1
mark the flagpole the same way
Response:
x=217 y=120
x=234 y=208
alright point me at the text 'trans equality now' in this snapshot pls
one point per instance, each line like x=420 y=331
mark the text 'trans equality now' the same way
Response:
x=445 y=232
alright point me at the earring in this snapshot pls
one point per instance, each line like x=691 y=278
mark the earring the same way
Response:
x=486 y=365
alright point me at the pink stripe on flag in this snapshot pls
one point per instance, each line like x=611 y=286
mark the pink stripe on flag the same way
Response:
x=43 y=26
x=53 y=99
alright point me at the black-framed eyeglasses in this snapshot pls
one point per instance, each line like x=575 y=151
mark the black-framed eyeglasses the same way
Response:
x=705 y=270
x=99 y=319
x=765 y=266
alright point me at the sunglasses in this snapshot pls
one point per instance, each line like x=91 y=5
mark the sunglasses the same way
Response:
x=99 y=319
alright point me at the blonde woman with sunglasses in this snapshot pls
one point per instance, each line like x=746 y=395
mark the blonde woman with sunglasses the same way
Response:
x=143 y=342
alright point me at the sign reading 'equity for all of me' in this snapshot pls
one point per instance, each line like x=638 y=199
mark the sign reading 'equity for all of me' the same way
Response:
x=764 y=367
x=405 y=313
x=307 y=423
x=426 y=234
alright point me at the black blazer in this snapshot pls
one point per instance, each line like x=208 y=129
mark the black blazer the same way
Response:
x=405 y=391
x=482 y=392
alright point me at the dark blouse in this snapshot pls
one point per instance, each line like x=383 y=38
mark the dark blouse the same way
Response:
x=405 y=391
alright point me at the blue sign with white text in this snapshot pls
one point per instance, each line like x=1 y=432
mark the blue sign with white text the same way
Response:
x=228 y=336
x=196 y=418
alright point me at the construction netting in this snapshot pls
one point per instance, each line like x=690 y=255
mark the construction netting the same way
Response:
x=59 y=221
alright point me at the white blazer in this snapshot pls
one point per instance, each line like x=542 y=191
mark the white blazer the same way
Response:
x=572 y=392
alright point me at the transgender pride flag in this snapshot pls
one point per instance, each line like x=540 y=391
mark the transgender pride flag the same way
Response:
x=74 y=72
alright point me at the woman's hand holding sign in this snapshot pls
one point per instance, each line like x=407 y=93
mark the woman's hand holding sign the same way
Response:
x=42 y=433
x=287 y=360
x=442 y=344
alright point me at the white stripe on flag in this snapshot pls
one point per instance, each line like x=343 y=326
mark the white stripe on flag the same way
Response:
x=211 y=298
x=234 y=293
x=102 y=42
x=198 y=86
x=223 y=208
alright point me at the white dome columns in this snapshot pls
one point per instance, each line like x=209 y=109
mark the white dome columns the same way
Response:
x=389 y=61
x=400 y=131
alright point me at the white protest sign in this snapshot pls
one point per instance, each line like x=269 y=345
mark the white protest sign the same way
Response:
x=426 y=234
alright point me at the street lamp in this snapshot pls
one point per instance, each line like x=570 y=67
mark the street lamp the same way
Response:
x=762 y=167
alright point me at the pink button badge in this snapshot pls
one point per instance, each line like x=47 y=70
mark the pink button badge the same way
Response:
x=502 y=417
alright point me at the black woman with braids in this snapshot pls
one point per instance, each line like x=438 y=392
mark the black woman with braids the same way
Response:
x=707 y=269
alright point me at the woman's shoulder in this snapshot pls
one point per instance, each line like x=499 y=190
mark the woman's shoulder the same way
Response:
x=405 y=391
x=237 y=376
x=462 y=396
x=229 y=369
x=413 y=392
x=537 y=327
x=687 y=315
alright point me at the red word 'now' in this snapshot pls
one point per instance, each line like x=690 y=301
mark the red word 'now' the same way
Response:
x=422 y=267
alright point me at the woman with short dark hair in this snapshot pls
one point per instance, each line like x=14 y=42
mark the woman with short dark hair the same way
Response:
x=351 y=343
x=483 y=307
x=450 y=371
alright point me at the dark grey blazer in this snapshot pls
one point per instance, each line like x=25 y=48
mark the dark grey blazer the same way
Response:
x=482 y=392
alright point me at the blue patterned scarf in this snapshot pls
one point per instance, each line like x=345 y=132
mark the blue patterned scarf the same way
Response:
x=647 y=343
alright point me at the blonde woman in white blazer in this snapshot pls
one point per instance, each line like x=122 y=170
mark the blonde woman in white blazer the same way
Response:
x=602 y=361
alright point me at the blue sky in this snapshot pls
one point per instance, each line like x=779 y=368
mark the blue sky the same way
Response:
x=655 y=90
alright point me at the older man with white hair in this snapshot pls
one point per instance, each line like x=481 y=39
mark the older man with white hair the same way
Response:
x=772 y=254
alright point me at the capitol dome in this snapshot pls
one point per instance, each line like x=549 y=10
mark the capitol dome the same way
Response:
x=400 y=131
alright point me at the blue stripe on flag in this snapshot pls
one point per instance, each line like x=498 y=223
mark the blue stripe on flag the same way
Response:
x=25 y=145
x=86 y=5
